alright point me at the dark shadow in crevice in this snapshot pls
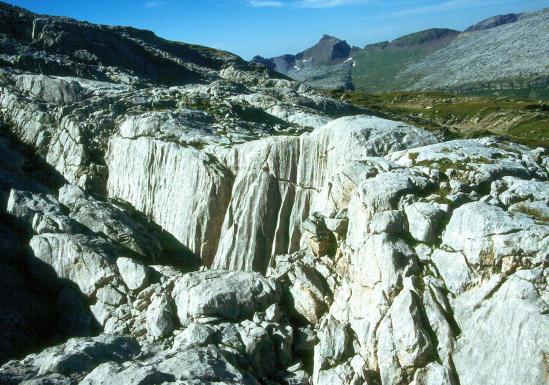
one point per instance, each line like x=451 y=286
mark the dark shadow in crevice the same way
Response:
x=37 y=308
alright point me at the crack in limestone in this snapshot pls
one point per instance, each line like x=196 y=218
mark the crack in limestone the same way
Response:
x=297 y=185
x=503 y=278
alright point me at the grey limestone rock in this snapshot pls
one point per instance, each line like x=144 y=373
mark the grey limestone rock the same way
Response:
x=134 y=274
x=423 y=220
x=224 y=294
x=335 y=247
x=160 y=317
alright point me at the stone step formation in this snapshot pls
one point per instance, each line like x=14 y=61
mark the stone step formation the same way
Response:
x=173 y=215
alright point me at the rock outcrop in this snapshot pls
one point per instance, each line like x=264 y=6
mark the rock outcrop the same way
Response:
x=234 y=227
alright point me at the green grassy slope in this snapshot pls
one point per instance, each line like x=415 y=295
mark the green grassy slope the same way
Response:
x=377 y=66
x=521 y=120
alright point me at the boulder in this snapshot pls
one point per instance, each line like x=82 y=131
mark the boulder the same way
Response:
x=507 y=307
x=432 y=374
x=259 y=349
x=453 y=268
x=307 y=293
x=160 y=317
x=202 y=365
x=113 y=373
x=87 y=261
x=222 y=294
x=134 y=274
x=193 y=336
x=319 y=238
x=51 y=89
x=340 y=375
x=423 y=221
x=474 y=163
x=487 y=234
x=380 y=259
x=403 y=341
x=41 y=212
x=115 y=222
x=333 y=343
x=78 y=356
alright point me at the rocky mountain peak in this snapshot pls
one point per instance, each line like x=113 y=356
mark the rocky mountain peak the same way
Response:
x=329 y=37
x=493 y=22
x=328 y=50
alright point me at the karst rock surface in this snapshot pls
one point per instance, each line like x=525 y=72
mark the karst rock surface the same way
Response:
x=173 y=215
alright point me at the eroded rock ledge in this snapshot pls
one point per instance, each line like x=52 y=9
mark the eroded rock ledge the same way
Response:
x=238 y=228
x=409 y=269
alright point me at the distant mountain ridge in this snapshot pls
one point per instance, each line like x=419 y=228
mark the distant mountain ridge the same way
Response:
x=503 y=53
x=329 y=54
x=493 y=22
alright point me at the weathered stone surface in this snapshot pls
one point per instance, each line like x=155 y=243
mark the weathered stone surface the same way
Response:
x=403 y=330
x=321 y=241
x=231 y=295
x=110 y=295
x=42 y=212
x=51 y=89
x=273 y=313
x=475 y=162
x=432 y=374
x=193 y=336
x=113 y=373
x=333 y=343
x=423 y=220
x=202 y=365
x=453 y=268
x=87 y=261
x=486 y=234
x=116 y=360
x=114 y=222
x=306 y=291
x=25 y=205
x=280 y=179
x=160 y=317
x=510 y=308
x=75 y=357
x=361 y=250
x=339 y=375
x=193 y=219
x=380 y=260
x=134 y=274
x=259 y=349
x=388 y=221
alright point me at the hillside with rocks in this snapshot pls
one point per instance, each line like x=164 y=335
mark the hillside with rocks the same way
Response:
x=523 y=120
x=502 y=54
x=170 y=214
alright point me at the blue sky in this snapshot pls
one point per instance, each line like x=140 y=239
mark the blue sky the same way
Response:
x=275 y=27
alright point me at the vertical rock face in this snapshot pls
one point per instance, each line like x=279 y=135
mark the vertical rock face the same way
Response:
x=333 y=250
x=182 y=189
x=281 y=182
x=254 y=196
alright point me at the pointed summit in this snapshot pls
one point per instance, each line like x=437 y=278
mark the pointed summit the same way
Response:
x=329 y=50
